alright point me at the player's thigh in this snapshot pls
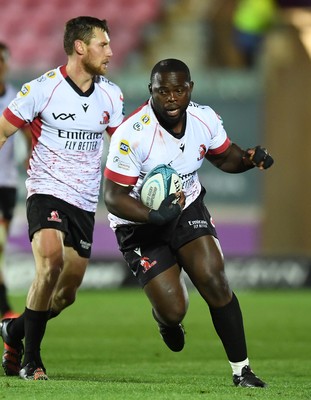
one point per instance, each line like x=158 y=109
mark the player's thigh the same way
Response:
x=203 y=261
x=73 y=270
x=48 y=249
x=167 y=292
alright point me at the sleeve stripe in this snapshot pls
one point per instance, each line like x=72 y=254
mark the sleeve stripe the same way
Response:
x=118 y=178
x=13 y=119
x=220 y=149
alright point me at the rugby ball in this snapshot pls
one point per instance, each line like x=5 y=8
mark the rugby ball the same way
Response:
x=159 y=183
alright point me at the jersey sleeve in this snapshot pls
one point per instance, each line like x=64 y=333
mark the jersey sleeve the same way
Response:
x=123 y=163
x=26 y=106
x=219 y=139
x=116 y=98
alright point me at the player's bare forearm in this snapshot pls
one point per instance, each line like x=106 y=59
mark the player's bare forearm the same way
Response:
x=236 y=160
x=119 y=203
x=6 y=130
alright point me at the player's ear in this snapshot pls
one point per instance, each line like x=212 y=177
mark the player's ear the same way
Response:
x=149 y=87
x=79 y=46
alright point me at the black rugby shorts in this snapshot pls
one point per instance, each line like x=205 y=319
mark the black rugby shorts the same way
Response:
x=150 y=250
x=8 y=198
x=46 y=211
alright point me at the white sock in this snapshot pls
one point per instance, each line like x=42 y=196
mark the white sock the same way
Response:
x=237 y=366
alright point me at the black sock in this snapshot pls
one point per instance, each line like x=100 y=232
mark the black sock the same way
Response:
x=4 y=304
x=53 y=314
x=16 y=328
x=35 y=324
x=228 y=322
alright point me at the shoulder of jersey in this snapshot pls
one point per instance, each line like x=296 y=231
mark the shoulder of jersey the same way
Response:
x=103 y=81
x=45 y=82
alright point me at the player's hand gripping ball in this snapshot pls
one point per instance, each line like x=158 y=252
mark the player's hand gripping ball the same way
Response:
x=158 y=193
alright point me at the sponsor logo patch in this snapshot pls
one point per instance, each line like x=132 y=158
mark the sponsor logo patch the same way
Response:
x=51 y=74
x=25 y=90
x=124 y=147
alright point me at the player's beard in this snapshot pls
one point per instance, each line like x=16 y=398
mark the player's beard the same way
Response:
x=93 y=69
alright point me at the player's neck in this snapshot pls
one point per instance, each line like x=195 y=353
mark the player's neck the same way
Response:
x=81 y=79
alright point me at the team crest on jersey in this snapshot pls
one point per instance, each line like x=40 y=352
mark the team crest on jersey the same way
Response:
x=145 y=119
x=202 y=151
x=106 y=118
x=54 y=217
x=25 y=90
x=124 y=147
x=138 y=126
x=51 y=74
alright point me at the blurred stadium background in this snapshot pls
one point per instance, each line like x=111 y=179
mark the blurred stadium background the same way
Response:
x=263 y=219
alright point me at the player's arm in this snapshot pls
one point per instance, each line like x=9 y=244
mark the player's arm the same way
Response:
x=6 y=130
x=236 y=160
x=120 y=203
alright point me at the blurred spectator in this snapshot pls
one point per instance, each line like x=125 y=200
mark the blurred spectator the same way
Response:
x=251 y=21
x=8 y=180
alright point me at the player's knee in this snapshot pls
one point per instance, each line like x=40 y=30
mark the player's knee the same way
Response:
x=215 y=289
x=64 y=298
x=173 y=314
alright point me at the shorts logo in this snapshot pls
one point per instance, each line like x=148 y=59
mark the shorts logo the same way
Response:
x=124 y=147
x=85 y=245
x=198 y=223
x=146 y=264
x=54 y=217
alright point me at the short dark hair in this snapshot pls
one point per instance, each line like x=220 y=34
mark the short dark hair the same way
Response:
x=81 y=28
x=170 y=65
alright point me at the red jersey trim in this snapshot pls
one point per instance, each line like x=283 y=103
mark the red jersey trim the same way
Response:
x=220 y=149
x=118 y=178
x=13 y=119
x=111 y=129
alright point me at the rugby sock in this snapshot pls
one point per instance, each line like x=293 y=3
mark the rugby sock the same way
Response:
x=53 y=314
x=16 y=328
x=237 y=367
x=228 y=323
x=35 y=324
x=4 y=304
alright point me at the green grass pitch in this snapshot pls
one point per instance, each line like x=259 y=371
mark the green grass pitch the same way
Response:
x=106 y=346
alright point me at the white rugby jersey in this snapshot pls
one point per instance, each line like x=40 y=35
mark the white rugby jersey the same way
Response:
x=140 y=144
x=8 y=165
x=67 y=134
